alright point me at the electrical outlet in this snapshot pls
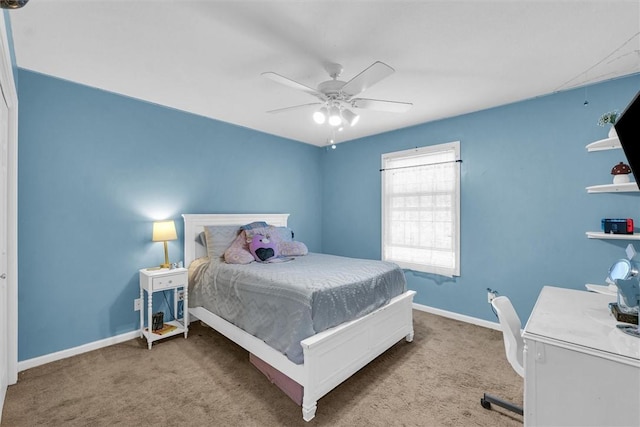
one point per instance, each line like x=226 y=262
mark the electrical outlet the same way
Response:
x=137 y=304
x=180 y=295
x=491 y=295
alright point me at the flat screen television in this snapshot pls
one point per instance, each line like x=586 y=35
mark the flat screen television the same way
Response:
x=628 y=130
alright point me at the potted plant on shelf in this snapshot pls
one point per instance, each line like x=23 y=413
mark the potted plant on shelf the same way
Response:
x=609 y=119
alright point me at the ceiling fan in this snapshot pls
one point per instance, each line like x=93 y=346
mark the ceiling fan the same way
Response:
x=337 y=96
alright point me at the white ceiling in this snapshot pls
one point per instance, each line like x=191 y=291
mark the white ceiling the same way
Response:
x=451 y=57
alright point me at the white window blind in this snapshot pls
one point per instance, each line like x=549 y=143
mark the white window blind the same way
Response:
x=421 y=208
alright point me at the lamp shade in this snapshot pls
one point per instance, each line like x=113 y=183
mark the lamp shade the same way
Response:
x=320 y=116
x=163 y=231
x=334 y=116
x=350 y=117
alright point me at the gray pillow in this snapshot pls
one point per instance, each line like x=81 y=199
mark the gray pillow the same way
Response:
x=202 y=239
x=219 y=238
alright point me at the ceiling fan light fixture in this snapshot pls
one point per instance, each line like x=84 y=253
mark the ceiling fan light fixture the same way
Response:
x=320 y=116
x=350 y=117
x=335 y=119
x=336 y=96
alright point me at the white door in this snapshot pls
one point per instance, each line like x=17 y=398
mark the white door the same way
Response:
x=8 y=219
x=4 y=141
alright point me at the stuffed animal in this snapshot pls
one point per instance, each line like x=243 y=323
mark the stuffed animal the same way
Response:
x=262 y=248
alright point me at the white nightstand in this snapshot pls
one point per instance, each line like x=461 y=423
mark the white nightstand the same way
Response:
x=164 y=279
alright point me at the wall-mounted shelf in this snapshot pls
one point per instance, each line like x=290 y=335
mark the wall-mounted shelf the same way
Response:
x=605 y=144
x=609 y=236
x=614 y=188
x=602 y=145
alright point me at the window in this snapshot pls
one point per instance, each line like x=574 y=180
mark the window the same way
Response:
x=421 y=209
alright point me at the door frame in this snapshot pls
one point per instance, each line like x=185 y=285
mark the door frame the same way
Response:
x=11 y=95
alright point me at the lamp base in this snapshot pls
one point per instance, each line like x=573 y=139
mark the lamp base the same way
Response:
x=166 y=257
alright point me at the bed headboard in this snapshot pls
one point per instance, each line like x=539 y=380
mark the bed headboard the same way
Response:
x=194 y=225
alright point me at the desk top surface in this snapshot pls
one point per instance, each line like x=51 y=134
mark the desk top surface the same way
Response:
x=579 y=318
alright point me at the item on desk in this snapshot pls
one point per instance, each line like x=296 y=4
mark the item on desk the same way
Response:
x=622 y=316
x=632 y=330
x=629 y=295
x=624 y=273
x=622 y=269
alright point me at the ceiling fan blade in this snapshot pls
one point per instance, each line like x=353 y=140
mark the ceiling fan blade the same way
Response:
x=380 y=105
x=292 y=84
x=295 y=107
x=367 y=78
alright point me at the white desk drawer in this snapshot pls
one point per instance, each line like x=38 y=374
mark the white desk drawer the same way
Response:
x=160 y=283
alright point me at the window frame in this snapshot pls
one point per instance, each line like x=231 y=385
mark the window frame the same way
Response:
x=418 y=151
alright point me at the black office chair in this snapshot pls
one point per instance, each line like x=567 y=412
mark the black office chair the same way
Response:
x=513 y=345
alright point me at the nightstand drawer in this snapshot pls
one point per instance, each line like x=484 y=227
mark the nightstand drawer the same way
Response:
x=164 y=282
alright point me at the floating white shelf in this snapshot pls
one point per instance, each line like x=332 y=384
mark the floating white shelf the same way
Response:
x=614 y=188
x=609 y=236
x=605 y=144
x=601 y=145
x=602 y=289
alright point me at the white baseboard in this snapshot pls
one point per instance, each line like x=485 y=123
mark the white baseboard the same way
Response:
x=52 y=357
x=458 y=316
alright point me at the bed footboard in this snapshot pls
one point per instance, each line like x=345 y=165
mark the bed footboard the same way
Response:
x=332 y=356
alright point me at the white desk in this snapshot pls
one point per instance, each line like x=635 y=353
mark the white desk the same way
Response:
x=580 y=370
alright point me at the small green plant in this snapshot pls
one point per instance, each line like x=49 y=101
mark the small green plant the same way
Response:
x=608 y=118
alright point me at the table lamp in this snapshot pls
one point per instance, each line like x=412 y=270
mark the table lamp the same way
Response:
x=164 y=231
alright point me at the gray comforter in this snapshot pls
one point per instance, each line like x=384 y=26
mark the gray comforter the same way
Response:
x=284 y=303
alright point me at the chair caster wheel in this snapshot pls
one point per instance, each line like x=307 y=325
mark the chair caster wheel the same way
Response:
x=485 y=404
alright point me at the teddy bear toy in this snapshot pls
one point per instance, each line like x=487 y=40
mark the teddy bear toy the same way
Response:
x=263 y=248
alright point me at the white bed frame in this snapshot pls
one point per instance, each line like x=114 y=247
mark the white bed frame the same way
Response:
x=330 y=357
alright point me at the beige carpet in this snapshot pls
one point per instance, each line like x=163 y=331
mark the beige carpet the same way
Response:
x=207 y=380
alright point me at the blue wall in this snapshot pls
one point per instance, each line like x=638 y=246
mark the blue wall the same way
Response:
x=524 y=207
x=96 y=168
